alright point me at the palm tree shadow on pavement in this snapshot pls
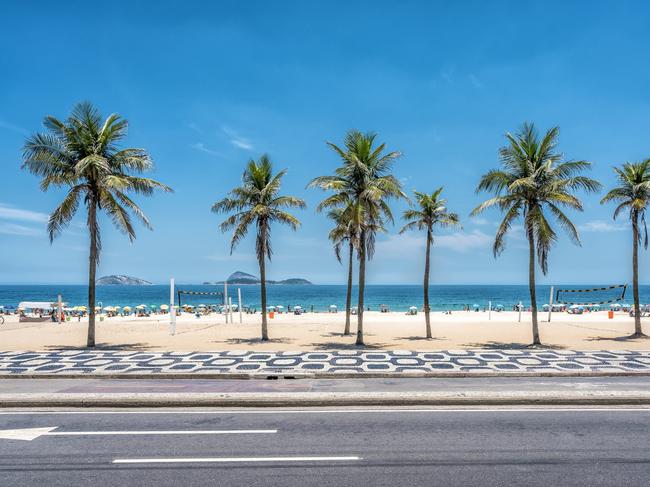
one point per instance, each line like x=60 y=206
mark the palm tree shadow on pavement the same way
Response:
x=493 y=345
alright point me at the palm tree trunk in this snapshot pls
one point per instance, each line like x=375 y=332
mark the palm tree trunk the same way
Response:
x=638 y=331
x=427 y=318
x=531 y=285
x=265 y=331
x=362 y=285
x=92 y=270
x=348 y=297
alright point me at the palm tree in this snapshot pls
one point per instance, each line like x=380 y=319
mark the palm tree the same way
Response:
x=431 y=211
x=532 y=182
x=343 y=234
x=257 y=202
x=633 y=194
x=364 y=183
x=82 y=154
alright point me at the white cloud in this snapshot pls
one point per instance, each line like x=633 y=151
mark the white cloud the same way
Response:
x=601 y=226
x=200 y=146
x=464 y=242
x=20 y=230
x=8 y=212
x=14 y=128
x=236 y=139
x=480 y=221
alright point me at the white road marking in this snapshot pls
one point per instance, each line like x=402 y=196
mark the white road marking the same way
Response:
x=236 y=459
x=29 y=434
x=335 y=411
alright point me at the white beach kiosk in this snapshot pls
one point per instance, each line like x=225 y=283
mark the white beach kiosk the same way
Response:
x=38 y=311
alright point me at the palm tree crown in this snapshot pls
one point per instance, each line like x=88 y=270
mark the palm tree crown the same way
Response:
x=633 y=193
x=533 y=180
x=430 y=211
x=257 y=202
x=82 y=153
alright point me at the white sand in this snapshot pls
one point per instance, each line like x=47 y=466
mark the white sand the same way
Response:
x=322 y=331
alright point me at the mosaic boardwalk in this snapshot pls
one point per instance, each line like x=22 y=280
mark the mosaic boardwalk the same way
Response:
x=100 y=362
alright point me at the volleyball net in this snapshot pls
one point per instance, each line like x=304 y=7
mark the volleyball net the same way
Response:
x=593 y=296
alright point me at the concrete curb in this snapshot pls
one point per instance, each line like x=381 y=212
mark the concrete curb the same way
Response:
x=319 y=375
x=155 y=400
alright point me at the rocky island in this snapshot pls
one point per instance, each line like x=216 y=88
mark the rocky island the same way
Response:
x=243 y=278
x=119 y=280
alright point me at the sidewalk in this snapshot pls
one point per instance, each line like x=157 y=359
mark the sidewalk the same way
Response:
x=470 y=391
x=341 y=363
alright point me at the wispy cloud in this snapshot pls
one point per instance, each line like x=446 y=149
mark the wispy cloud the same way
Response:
x=195 y=127
x=481 y=221
x=20 y=230
x=14 y=128
x=236 y=139
x=464 y=242
x=8 y=212
x=200 y=146
x=476 y=82
x=601 y=226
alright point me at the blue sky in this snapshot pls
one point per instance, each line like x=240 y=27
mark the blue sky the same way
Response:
x=207 y=86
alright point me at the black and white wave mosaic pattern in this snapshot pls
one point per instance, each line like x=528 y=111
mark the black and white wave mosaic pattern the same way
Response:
x=81 y=362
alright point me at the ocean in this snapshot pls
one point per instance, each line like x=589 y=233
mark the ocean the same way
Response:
x=316 y=297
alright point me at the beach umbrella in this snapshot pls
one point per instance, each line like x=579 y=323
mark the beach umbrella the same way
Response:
x=475 y=305
x=127 y=308
x=498 y=306
x=141 y=306
x=297 y=307
x=333 y=306
x=273 y=307
x=164 y=307
x=280 y=307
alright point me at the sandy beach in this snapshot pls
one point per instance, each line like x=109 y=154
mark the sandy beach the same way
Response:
x=322 y=331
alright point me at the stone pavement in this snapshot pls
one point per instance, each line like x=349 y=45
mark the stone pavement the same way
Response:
x=341 y=362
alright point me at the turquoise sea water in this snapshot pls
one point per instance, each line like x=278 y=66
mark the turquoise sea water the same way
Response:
x=397 y=297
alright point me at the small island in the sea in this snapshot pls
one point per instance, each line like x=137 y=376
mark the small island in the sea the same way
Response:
x=118 y=280
x=245 y=278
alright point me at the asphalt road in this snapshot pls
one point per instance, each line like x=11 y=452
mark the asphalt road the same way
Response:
x=354 y=447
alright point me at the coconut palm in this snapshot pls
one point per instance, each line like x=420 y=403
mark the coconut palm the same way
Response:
x=430 y=211
x=257 y=202
x=532 y=183
x=633 y=194
x=82 y=154
x=344 y=234
x=364 y=183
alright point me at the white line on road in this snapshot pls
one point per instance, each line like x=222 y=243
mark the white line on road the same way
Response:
x=29 y=434
x=235 y=459
x=335 y=411
x=189 y=432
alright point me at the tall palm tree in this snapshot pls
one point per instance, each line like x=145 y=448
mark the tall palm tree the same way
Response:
x=534 y=181
x=365 y=183
x=344 y=234
x=633 y=194
x=431 y=211
x=82 y=154
x=257 y=202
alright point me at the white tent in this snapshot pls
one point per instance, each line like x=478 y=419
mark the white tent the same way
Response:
x=46 y=305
